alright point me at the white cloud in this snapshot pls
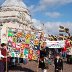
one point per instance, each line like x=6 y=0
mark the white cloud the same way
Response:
x=31 y=8
x=52 y=27
x=53 y=14
x=45 y=4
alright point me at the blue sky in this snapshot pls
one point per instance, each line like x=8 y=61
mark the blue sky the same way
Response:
x=50 y=12
x=61 y=12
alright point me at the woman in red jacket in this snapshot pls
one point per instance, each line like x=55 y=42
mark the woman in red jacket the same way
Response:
x=4 y=53
x=1 y=60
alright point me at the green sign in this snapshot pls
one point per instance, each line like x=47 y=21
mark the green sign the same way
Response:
x=27 y=41
x=26 y=51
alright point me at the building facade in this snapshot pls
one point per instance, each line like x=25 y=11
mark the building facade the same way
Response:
x=14 y=13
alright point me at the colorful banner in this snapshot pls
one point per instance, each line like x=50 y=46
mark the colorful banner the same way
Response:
x=55 y=44
x=23 y=43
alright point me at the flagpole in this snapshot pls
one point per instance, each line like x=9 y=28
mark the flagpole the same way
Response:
x=40 y=43
x=6 y=62
x=6 y=48
x=39 y=50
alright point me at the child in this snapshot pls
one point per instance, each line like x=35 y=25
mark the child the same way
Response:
x=58 y=62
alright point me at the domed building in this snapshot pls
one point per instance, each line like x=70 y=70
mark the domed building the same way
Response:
x=15 y=14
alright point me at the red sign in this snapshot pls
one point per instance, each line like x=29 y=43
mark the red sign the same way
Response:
x=30 y=56
x=26 y=45
x=14 y=45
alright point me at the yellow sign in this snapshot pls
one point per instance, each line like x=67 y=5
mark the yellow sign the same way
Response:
x=22 y=46
x=36 y=42
x=28 y=36
x=34 y=57
x=19 y=34
x=31 y=51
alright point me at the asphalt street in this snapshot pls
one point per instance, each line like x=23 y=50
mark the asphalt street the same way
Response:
x=33 y=67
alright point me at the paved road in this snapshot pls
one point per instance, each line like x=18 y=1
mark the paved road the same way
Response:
x=32 y=67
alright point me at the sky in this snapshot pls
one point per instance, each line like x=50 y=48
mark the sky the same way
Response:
x=51 y=13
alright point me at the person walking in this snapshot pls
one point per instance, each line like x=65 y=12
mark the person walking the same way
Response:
x=1 y=62
x=5 y=60
x=43 y=57
x=58 y=63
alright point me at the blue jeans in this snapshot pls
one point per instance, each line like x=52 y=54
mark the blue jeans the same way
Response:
x=1 y=66
x=64 y=54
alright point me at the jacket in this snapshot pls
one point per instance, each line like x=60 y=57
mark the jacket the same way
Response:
x=3 y=52
x=59 y=64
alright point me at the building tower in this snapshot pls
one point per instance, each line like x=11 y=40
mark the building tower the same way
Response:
x=15 y=14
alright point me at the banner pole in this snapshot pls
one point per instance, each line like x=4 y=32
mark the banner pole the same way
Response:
x=39 y=50
x=6 y=49
x=6 y=62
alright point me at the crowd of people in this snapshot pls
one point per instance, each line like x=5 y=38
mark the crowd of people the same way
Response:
x=47 y=56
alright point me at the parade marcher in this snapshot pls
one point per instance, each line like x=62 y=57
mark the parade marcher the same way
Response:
x=4 y=53
x=58 y=62
x=1 y=63
x=64 y=52
x=43 y=57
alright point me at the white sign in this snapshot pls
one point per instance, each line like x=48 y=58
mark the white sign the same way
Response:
x=4 y=34
x=55 y=44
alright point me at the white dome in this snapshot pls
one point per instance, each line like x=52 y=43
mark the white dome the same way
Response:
x=17 y=3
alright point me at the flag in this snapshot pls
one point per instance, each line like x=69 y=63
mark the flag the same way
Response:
x=61 y=27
